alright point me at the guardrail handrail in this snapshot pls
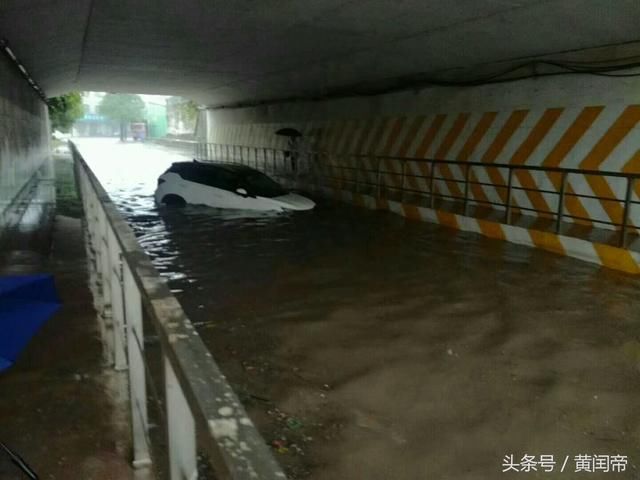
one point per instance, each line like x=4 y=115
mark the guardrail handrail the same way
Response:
x=269 y=155
x=199 y=398
x=326 y=153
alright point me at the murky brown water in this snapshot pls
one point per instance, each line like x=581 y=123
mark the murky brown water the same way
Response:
x=370 y=347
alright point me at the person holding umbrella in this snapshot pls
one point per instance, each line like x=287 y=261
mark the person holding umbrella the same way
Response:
x=292 y=144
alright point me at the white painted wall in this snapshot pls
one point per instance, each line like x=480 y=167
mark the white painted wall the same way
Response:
x=559 y=91
x=24 y=134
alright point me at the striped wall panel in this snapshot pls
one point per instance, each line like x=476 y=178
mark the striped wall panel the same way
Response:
x=590 y=137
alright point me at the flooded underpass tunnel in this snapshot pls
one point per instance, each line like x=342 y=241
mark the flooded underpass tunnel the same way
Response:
x=366 y=345
x=327 y=240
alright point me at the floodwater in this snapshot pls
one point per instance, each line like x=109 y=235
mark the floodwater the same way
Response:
x=366 y=346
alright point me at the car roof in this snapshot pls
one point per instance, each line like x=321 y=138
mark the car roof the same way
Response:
x=229 y=167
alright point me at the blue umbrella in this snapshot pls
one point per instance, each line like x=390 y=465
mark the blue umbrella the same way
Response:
x=26 y=302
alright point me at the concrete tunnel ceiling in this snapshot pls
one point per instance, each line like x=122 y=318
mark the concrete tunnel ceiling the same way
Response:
x=230 y=52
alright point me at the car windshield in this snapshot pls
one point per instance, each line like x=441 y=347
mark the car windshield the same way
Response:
x=259 y=184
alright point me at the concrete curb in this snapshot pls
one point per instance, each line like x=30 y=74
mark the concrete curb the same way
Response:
x=598 y=253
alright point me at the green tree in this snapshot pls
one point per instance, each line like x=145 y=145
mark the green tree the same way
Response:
x=123 y=108
x=65 y=110
x=189 y=111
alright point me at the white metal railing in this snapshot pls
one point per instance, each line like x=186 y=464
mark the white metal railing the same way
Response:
x=383 y=176
x=275 y=161
x=203 y=413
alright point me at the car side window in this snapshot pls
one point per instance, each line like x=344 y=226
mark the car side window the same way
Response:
x=192 y=175
x=257 y=183
x=226 y=180
x=217 y=178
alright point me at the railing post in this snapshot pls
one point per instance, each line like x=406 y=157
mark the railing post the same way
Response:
x=507 y=204
x=274 y=161
x=402 y=179
x=94 y=256
x=137 y=377
x=264 y=159
x=626 y=212
x=561 y=196
x=325 y=169
x=255 y=151
x=102 y=243
x=379 y=178
x=357 y=177
x=432 y=197
x=314 y=169
x=465 y=207
x=181 y=429
x=117 y=303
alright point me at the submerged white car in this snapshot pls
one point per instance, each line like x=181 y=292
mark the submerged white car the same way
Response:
x=223 y=185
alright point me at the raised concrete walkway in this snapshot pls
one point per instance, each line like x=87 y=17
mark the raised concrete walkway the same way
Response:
x=59 y=407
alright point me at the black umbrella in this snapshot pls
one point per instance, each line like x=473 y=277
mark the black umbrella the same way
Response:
x=289 y=132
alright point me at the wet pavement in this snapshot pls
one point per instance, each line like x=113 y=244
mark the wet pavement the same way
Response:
x=368 y=346
x=59 y=407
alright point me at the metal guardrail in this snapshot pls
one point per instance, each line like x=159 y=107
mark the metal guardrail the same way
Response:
x=268 y=160
x=202 y=411
x=353 y=170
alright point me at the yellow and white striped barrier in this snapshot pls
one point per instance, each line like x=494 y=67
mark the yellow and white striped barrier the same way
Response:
x=592 y=137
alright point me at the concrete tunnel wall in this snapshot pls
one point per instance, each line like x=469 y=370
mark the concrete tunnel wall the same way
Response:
x=584 y=122
x=24 y=137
